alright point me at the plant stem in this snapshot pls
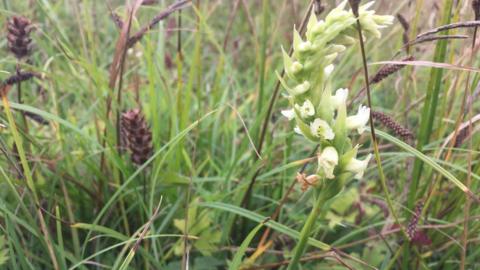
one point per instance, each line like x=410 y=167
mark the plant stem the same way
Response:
x=306 y=230
x=265 y=36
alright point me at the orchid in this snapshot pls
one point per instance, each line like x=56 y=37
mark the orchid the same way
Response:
x=321 y=129
x=358 y=167
x=306 y=110
x=327 y=161
x=360 y=120
x=320 y=115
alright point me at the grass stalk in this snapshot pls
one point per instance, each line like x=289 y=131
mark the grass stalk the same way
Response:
x=427 y=119
x=468 y=203
x=263 y=53
x=429 y=108
x=24 y=125
x=378 y=160
x=28 y=176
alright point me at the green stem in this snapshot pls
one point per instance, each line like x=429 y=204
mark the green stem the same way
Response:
x=265 y=36
x=306 y=230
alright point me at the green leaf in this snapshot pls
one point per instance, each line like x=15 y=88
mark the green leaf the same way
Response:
x=101 y=229
x=237 y=260
x=259 y=218
x=425 y=159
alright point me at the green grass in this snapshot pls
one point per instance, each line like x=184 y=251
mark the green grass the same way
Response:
x=205 y=98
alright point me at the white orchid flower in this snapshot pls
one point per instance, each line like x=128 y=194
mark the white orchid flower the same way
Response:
x=360 y=120
x=289 y=114
x=306 y=110
x=298 y=130
x=328 y=70
x=358 y=167
x=327 y=161
x=321 y=129
x=340 y=98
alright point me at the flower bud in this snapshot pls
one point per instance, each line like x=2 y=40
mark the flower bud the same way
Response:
x=336 y=48
x=295 y=68
x=291 y=67
x=383 y=20
x=329 y=58
x=300 y=89
x=318 y=28
x=305 y=46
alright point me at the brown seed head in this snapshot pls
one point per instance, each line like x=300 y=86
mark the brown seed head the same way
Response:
x=389 y=122
x=406 y=28
x=136 y=136
x=388 y=70
x=476 y=9
x=20 y=77
x=403 y=22
x=149 y=2
x=354 y=4
x=461 y=136
x=19 y=41
x=412 y=225
x=117 y=19
x=318 y=7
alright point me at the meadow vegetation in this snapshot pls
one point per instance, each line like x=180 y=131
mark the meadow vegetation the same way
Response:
x=240 y=134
